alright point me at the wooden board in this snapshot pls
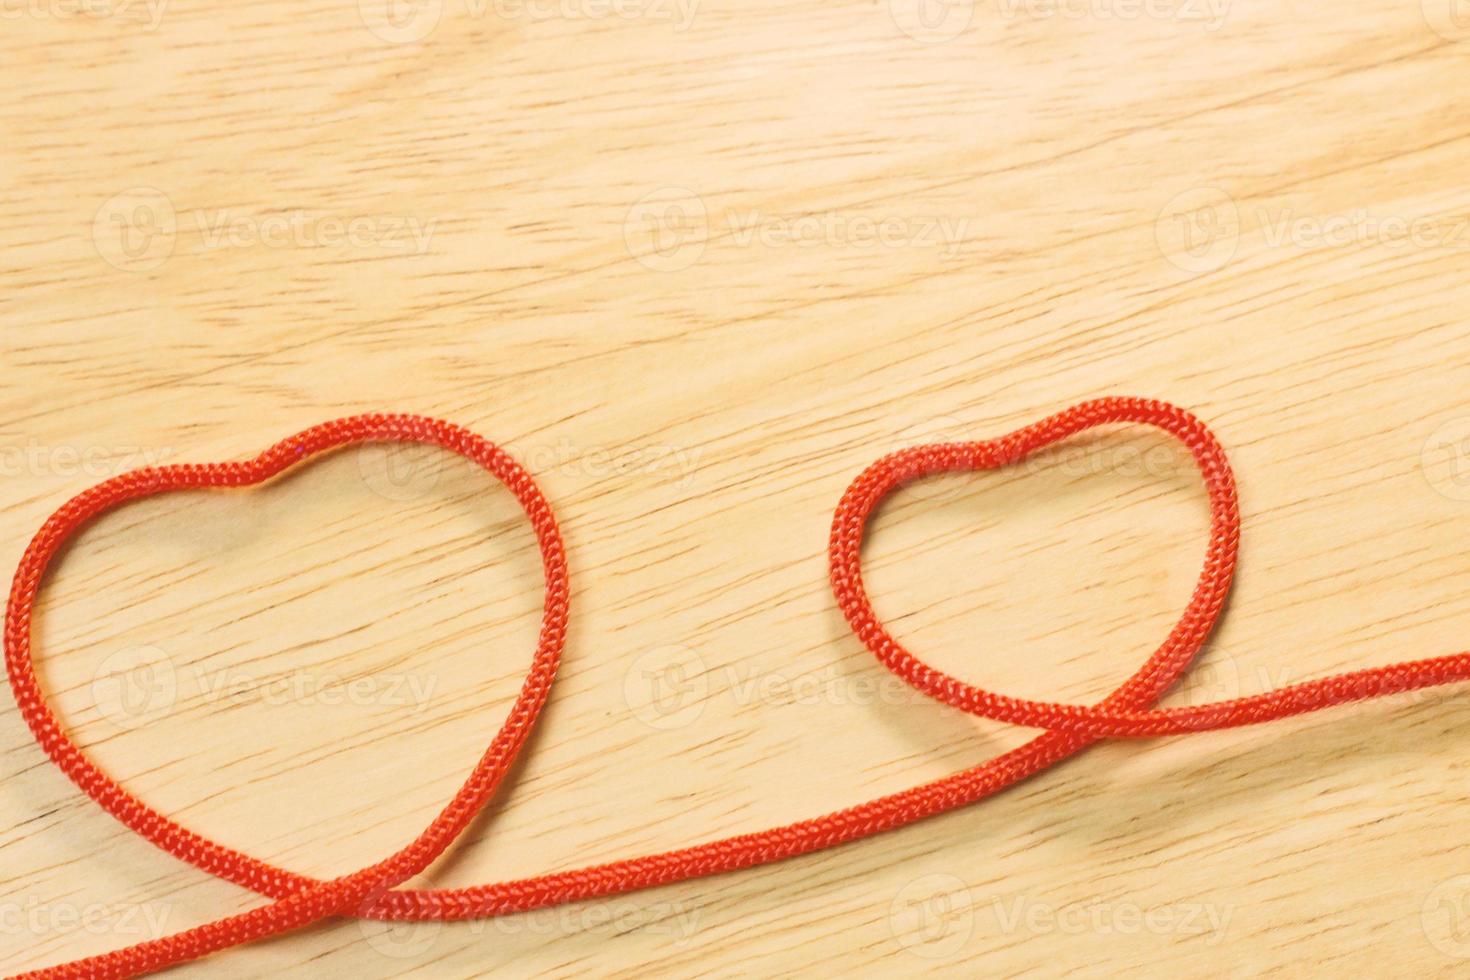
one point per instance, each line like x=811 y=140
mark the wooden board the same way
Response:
x=697 y=263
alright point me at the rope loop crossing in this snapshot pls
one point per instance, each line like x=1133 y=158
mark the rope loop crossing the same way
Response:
x=375 y=891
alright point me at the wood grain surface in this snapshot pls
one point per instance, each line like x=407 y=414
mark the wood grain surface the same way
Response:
x=696 y=263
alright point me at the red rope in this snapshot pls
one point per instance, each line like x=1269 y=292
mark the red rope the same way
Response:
x=373 y=892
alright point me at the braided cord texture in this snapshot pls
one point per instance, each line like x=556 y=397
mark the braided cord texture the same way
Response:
x=374 y=892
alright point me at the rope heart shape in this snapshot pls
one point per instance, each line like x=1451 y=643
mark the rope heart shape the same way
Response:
x=374 y=892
